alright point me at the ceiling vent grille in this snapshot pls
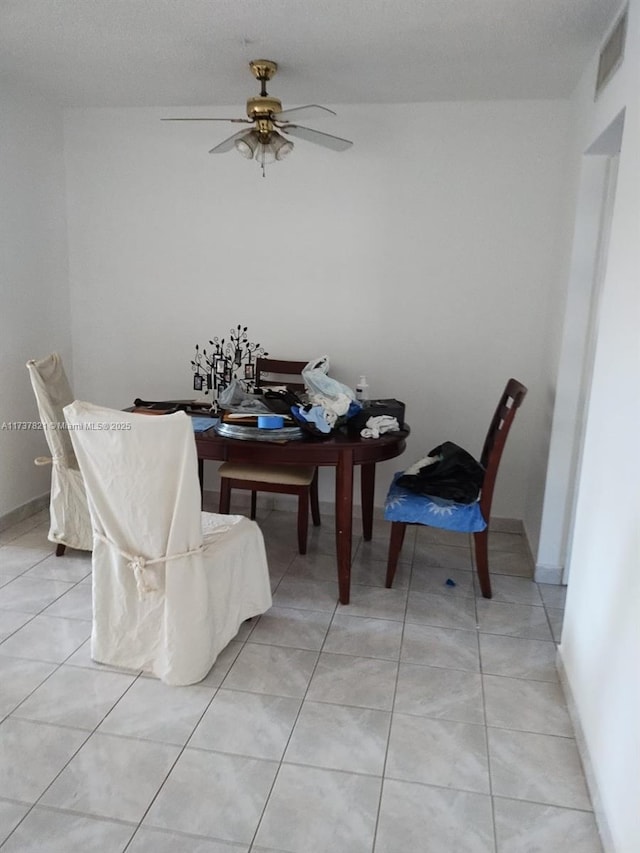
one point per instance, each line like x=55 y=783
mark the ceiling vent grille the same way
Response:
x=612 y=53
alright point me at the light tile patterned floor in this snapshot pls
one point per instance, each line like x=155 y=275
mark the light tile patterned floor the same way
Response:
x=421 y=719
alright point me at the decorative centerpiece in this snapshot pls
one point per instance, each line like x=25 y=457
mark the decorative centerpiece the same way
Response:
x=232 y=358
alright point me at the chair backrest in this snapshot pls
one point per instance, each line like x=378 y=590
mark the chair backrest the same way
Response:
x=511 y=399
x=275 y=371
x=53 y=393
x=141 y=477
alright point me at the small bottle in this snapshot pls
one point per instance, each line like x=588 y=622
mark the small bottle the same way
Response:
x=362 y=390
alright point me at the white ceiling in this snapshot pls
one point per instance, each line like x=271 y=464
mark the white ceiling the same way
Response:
x=195 y=52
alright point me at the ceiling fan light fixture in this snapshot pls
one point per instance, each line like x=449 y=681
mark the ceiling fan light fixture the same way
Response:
x=281 y=147
x=248 y=144
x=265 y=153
x=271 y=148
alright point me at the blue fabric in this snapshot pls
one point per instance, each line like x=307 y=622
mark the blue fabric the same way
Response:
x=403 y=505
x=203 y=424
x=315 y=416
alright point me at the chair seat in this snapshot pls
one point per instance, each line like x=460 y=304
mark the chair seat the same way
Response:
x=292 y=475
x=408 y=507
x=216 y=526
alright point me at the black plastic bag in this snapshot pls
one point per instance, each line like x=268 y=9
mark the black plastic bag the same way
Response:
x=281 y=402
x=454 y=476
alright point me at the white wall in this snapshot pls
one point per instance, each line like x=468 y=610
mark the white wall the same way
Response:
x=34 y=291
x=600 y=646
x=426 y=257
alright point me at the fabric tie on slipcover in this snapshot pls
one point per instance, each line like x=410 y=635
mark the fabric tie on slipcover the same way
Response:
x=138 y=564
x=50 y=460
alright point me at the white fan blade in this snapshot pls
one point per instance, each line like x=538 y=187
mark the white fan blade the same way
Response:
x=308 y=111
x=243 y=120
x=227 y=144
x=336 y=143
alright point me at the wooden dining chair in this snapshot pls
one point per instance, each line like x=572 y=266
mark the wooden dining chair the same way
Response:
x=299 y=480
x=276 y=372
x=403 y=506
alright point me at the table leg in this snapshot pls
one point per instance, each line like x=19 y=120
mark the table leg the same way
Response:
x=344 y=521
x=201 y=480
x=367 y=483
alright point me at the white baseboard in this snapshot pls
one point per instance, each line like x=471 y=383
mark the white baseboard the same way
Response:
x=596 y=800
x=506 y=525
x=548 y=574
x=21 y=512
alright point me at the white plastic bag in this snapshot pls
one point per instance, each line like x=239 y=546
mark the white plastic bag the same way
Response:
x=235 y=399
x=334 y=397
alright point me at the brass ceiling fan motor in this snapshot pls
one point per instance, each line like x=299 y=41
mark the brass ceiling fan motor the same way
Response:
x=261 y=107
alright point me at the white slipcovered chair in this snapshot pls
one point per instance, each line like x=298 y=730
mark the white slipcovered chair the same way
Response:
x=69 y=514
x=171 y=585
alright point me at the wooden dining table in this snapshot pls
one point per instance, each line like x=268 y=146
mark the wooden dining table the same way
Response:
x=342 y=451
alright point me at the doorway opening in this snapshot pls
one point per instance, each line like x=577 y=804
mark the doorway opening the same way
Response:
x=594 y=212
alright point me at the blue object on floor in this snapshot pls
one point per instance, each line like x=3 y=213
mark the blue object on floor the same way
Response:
x=450 y=582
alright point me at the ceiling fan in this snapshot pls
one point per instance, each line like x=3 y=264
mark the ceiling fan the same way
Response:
x=265 y=141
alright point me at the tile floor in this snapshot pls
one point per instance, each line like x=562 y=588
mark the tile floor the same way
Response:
x=421 y=718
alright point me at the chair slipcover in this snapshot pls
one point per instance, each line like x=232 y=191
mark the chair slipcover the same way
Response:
x=171 y=585
x=69 y=515
x=404 y=505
